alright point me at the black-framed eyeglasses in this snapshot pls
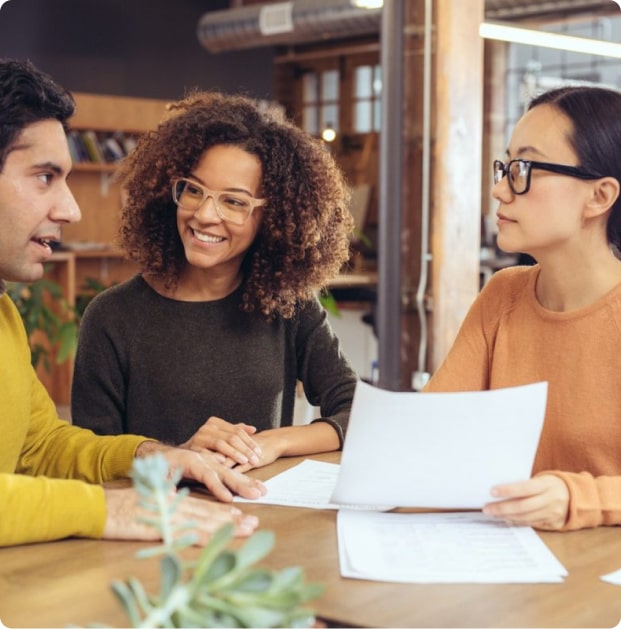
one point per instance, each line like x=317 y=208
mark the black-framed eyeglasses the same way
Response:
x=234 y=207
x=518 y=172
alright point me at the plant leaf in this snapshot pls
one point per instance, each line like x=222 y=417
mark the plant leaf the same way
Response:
x=140 y=596
x=288 y=577
x=301 y=618
x=259 y=617
x=326 y=298
x=152 y=551
x=124 y=595
x=256 y=581
x=67 y=339
x=256 y=547
x=216 y=544
x=172 y=570
x=221 y=567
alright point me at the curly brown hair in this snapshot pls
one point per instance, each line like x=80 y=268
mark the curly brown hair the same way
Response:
x=303 y=241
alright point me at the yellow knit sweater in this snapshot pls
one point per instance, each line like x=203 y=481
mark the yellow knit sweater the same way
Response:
x=509 y=339
x=47 y=465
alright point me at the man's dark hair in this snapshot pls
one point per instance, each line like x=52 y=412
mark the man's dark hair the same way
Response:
x=28 y=95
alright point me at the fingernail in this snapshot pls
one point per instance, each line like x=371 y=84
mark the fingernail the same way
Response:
x=248 y=524
x=254 y=459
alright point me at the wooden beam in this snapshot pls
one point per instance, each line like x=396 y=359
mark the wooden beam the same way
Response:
x=456 y=178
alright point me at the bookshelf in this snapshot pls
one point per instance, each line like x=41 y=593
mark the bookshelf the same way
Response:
x=89 y=247
x=92 y=182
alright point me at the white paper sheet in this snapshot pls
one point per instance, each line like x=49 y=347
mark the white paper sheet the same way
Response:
x=612 y=577
x=440 y=450
x=308 y=484
x=442 y=548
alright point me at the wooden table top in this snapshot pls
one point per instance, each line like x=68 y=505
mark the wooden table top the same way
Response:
x=67 y=582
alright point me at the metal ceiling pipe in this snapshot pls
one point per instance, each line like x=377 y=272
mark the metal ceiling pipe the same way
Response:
x=304 y=21
x=293 y=22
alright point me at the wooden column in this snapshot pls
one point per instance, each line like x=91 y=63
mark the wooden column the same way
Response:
x=454 y=177
x=457 y=168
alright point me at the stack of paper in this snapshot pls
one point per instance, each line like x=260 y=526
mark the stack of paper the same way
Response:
x=442 y=548
x=309 y=484
x=437 y=450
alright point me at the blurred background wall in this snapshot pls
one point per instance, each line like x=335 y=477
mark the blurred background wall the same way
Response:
x=145 y=48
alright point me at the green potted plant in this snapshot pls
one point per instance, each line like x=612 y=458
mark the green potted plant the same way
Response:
x=220 y=588
x=51 y=322
x=44 y=309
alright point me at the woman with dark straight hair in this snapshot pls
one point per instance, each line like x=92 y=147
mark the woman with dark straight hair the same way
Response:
x=560 y=320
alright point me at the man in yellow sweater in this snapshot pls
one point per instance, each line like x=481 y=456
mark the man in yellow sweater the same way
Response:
x=50 y=471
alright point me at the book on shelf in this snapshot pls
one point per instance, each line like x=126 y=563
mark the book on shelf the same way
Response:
x=76 y=147
x=113 y=151
x=128 y=142
x=104 y=147
x=93 y=149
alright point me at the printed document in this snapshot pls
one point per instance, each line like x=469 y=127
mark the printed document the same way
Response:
x=442 y=548
x=612 y=577
x=438 y=450
x=308 y=484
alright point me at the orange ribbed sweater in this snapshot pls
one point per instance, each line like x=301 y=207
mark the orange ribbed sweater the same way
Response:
x=509 y=339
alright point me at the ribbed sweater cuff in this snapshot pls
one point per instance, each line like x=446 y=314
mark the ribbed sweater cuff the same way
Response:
x=585 y=510
x=335 y=425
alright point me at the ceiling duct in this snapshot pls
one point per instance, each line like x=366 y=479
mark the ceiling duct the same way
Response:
x=305 y=21
x=295 y=22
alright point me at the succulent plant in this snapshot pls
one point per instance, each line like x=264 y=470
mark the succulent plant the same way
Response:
x=222 y=588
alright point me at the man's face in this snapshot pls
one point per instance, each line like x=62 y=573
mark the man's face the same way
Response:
x=35 y=200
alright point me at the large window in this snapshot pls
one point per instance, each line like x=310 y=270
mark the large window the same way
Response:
x=342 y=92
x=366 y=98
x=532 y=70
x=320 y=101
x=339 y=90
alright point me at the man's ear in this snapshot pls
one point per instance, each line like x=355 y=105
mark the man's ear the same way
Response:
x=605 y=192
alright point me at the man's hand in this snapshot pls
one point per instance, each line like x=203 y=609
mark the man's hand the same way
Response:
x=206 y=468
x=231 y=440
x=541 y=502
x=123 y=513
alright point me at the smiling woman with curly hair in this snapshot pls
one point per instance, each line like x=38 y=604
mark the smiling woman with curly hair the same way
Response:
x=236 y=218
x=303 y=240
